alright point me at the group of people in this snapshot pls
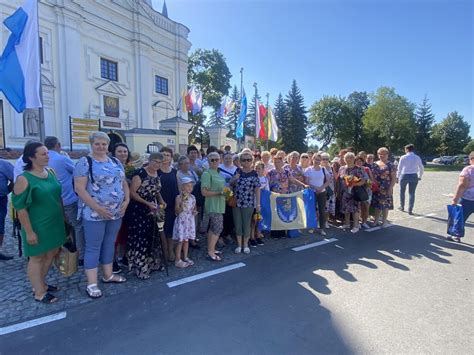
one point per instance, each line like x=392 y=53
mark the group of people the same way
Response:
x=140 y=214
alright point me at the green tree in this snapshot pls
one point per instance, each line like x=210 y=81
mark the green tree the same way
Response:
x=294 y=135
x=469 y=147
x=358 y=102
x=451 y=134
x=389 y=121
x=424 y=120
x=329 y=117
x=280 y=117
x=208 y=71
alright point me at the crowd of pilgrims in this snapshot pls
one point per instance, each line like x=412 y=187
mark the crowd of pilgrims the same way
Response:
x=133 y=212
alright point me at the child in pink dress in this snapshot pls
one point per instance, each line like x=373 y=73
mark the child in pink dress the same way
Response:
x=184 y=224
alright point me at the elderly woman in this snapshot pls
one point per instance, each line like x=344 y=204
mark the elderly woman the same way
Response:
x=304 y=161
x=145 y=200
x=331 y=195
x=385 y=174
x=212 y=188
x=246 y=186
x=184 y=170
x=266 y=159
x=37 y=198
x=295 y=170
x=104 y=196
x=348 y=174
x=227 y=170
x=464 y=194
x=169 y=191
x=318 y=178
x=364 y=205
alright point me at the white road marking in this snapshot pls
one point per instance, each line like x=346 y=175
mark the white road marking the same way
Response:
x=316 y=244
x=426 y=215
x=205 y=274
x=448 y=195
x=32 y=323
x=373 y=229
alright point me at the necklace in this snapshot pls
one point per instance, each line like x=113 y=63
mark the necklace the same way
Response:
x=43 y=174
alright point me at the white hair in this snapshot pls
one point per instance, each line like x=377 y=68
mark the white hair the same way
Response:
x=98 y=135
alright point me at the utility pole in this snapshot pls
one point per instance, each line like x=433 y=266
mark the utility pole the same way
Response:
x=241 y=94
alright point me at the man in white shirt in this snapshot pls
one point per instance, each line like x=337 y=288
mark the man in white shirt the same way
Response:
x=410 y=170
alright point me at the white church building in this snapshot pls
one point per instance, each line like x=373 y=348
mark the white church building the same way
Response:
x=117 y=63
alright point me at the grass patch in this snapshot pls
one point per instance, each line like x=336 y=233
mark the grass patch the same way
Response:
x=444 y=167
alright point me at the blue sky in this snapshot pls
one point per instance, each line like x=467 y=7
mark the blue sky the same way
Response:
x=334 y=47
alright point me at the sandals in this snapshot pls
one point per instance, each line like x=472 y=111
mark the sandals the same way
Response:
x=47 y=298
x=214 y=258
x=50 y=288
x=189 y=261
x=93 y=291
x=117 y=279
x=181 y=264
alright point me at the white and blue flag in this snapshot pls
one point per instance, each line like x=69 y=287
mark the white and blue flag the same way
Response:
x=20 y=61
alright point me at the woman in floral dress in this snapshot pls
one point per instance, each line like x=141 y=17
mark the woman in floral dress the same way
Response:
x=385 y=174
x=348 y=204
x=145 y=197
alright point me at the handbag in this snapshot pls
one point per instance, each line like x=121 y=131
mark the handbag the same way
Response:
x=455 y=221
x=359 y=194
x=66 y=259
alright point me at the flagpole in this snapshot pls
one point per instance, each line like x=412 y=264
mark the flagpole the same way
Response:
x=241 y=93
x=256 y=108
x=268 y=97
x=42 y=132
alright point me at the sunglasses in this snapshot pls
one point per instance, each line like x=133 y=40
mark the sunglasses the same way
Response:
x=245 y=160
x=213 y=160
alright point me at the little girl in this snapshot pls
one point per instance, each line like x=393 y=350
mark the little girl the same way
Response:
x=184 y=225
x=257 y=236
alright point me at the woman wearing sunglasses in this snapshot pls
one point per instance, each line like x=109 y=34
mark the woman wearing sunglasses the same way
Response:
x=246 y=185
x=212 y=188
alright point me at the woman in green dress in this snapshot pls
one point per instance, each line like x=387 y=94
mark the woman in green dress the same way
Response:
x=37 y=198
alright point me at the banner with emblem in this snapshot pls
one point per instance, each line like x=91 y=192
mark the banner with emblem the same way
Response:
x=288 y=211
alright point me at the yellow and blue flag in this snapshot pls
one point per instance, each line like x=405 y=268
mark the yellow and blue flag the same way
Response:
x=288 y=211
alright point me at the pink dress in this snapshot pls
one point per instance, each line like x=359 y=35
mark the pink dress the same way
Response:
x=184 y=225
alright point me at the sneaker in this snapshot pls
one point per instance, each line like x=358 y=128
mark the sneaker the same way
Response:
x=354 y=230
x=327 y=225
x=260 y=241
x=385 y=224
x=410 y=213
x=322 y=232
x=116 y=269
x=247 y=250
x=365 y=225
x=401 y=209
x=310 y=231
x=238 y=250
x=253 y=243
x=345 y=226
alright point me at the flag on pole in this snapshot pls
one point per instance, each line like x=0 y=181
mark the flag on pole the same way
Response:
x=221 y=111
x=272 y=128
x=182 y=101
x=20 y=62
x=239 y=129
x=197 y=103
x=229 y=106
x=262 y=134
x=188 y=101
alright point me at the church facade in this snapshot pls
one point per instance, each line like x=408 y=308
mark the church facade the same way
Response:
x=117 y=62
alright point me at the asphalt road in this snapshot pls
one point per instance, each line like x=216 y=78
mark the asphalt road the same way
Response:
x=404 y=289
